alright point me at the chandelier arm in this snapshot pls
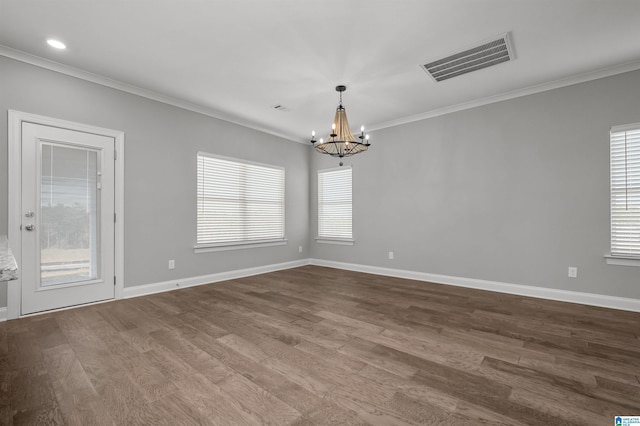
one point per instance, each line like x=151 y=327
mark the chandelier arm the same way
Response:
x=335 y=144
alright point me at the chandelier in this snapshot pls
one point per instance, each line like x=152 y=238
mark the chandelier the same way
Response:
x=341 y=142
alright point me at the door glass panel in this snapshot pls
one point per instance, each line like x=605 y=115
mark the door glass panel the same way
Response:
x=69 y=215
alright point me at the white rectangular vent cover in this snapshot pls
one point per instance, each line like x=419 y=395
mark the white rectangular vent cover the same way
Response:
x=476 y=58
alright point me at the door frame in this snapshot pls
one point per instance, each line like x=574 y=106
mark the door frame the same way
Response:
x=15 y=120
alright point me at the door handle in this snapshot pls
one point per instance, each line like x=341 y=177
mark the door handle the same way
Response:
x=30 y=227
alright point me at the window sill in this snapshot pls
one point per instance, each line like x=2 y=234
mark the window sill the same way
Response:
x=205 y=248
x=622 y=261
x=339 y=241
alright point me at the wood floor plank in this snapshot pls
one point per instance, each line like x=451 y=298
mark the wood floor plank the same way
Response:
x=23 y=350
x=550 y=368
x=311 y=381
x=310 y=331
x=246 y=348
x=411 y=388
x=127 y=405
x=180 y=407
x=480 y=415
x=274 y=381
x=47 y=332
x=332 y=356
x=254 y=302
x=362 y=349
x=4 y=349
x=576 y=394
x=200 y=360
x=45 y=415
x=330 y=414
x=256 y=400
x=151 y=381
x=616 y=393
x=212 y=402
x=30 y=387
x=321 y=346
x=79 y=402
x=539 y=409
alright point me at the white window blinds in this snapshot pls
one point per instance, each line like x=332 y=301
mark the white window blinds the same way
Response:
x=238 y=202
x=625 y=191
x=334 y=203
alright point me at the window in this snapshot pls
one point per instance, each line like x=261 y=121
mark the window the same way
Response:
x=334 y=205
x=238 y=202
x=625 y=191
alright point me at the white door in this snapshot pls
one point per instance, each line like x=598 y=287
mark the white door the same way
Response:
x=67 y=218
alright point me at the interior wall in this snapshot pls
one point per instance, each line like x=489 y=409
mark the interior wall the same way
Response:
x=513 y=192
x=161 y=142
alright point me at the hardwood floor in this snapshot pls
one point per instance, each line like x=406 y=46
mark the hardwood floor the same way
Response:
x=317 y=346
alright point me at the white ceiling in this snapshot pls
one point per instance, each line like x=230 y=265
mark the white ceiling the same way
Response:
x=236 y=59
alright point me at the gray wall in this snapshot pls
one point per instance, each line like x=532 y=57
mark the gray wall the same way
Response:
x=161 y=142
x=513 y=192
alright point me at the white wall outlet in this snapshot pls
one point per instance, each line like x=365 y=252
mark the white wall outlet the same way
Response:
x=390 y=255
x=573 y=272
x=300 y=249
x=172 y=264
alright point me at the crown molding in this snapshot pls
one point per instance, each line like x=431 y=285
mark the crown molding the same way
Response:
x=556 y=84
x=38 y=61
x=48 y=64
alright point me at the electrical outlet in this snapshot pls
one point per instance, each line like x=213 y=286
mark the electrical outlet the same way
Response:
x=300 y=249
x=573 y=272
x=390 y=255
x=172 y=264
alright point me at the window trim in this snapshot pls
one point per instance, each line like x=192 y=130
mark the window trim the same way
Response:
x=622 y=261
x=336 y=240
x=244 y=244
x=333 y=240
x=618 y=259
x=206 y=248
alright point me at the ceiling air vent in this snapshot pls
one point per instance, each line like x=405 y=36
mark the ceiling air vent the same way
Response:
x=485 y=55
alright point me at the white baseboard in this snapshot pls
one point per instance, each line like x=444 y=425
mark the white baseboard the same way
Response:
x=621 y=303
x=146 y=289
x=601 y=300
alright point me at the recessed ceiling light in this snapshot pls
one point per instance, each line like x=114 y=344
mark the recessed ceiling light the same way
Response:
x=56 y=43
